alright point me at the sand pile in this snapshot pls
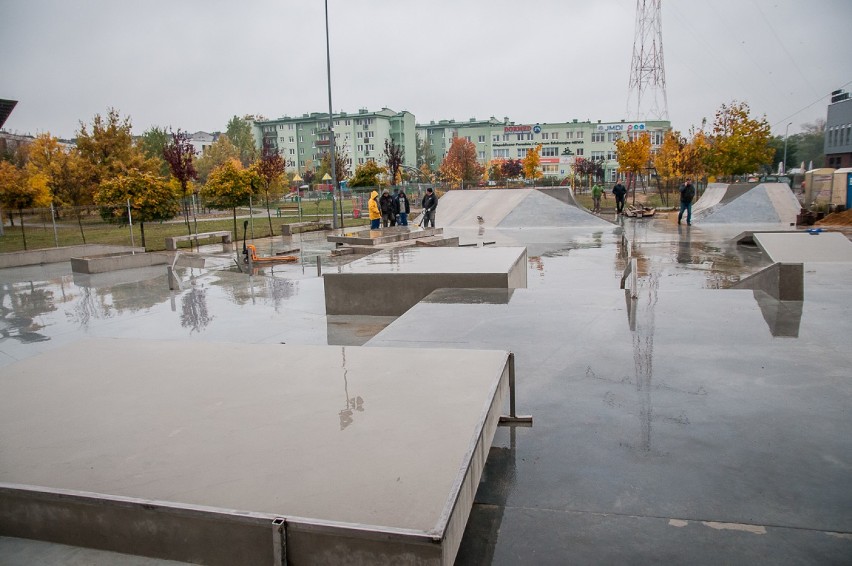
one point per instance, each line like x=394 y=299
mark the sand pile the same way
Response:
x=837 y=219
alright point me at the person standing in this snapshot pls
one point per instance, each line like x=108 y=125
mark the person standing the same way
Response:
x=375 y=213
x=386 y=206
x=597 y=191
x=404 y=208
x=687 y=194
x=620 y=197
x=395 y=202
x=429 y=203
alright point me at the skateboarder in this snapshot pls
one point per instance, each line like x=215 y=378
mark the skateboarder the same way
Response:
x=687 y=193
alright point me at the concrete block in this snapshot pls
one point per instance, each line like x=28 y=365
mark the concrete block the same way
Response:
x=390 y=282
x=116 y=262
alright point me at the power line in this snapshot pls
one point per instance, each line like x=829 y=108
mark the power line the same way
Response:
x=808 y=106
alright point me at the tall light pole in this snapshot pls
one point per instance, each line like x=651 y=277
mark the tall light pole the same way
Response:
x=334 y=223
x=784 y=167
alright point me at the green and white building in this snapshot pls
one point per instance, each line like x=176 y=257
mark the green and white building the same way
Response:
x=561 y=142
x=302 y=141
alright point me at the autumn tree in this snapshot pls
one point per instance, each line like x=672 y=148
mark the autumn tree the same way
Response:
x=694 y=154
x=668 y=160
x=341 y=165
x=367 y=174
x=460 y=165
x=810 y=142
x=149 y=197
x=425 y=155
x=219 y=152
x=512 y=168
x=240 y=134
x=532 y=162
x=228 y=187
x=107 y=148
x=584 y=168
x=179 y=154
x=739 y=144
x=152 y=142
x=394 y=155
x=634 y=155
x=270 y=170
x=495 y=171
x=18 y=192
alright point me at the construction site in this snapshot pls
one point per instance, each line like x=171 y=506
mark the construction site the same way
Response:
x=525 y=383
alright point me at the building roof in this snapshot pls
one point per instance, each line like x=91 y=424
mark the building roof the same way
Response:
x=6 y=107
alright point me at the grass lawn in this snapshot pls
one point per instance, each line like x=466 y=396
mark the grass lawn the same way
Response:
x=39 y=230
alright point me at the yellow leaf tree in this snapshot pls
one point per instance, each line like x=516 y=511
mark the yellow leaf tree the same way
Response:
x=668 y=160
x=18 y=191
x=531 y=164
x=740 y=144
x=229 y=186
x=694 y=155
x=633 y=156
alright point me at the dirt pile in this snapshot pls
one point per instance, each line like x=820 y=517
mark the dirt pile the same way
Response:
x=837 y=219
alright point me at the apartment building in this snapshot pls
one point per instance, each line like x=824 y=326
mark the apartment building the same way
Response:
x=302 y=141
x=561 y=142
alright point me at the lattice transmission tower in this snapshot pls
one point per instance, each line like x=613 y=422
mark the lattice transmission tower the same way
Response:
x=646 y=93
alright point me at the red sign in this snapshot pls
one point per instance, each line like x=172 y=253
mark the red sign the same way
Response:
x=510 y=129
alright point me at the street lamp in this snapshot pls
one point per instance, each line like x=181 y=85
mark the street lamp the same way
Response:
x=334 y=223
x=784 y=167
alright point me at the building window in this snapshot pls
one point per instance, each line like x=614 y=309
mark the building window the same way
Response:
x=495 y=138
x=360 y=161
x=657 y=137
x=597 y=137
x=292 y=139
x=550 y=152
x=370 y=147
x=555 y=135
x=610 y=156
x=467 y=138
x=301 y=151
x=579 y=152
x=550 y=168
x=501 y=153
x=545 y=135
x=569 y=135
x=481 y=139
x=301 y=139
x=522 y=152
x=482 y=155
x=598 y=155
x=360 y=147
x=505 y=137
x=348 y=123
x=612 y=136
x=580 y=134
x=292 y=151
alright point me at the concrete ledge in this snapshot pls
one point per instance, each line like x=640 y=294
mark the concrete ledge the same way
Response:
x=116 y=262
x=782 y=281
x=384 y=235
x=58 y=255
x=172 y=241
x=297 y=227
x=390 y=282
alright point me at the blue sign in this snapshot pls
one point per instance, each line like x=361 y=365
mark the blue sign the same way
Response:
x=537 y=129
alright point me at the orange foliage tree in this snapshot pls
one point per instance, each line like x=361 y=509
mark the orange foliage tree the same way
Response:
x=460 y=165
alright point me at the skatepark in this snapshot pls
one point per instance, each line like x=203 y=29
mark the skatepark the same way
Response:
x=688 y=386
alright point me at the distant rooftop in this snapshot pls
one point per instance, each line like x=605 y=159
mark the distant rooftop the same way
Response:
x=6 y=107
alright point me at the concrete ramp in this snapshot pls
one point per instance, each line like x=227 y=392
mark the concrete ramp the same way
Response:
x=764 y=203
x=514 y=208
x=803 y=247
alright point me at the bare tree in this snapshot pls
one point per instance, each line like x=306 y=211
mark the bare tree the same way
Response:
x=394 y=155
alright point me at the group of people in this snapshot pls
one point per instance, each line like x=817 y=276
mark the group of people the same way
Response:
x=392 y=210
x=687 y=195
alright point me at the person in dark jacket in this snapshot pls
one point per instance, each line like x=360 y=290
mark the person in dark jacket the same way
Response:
x=404 y=207
x=620 y=197
x=386 y=206
x=687 y=194
x=429 y=203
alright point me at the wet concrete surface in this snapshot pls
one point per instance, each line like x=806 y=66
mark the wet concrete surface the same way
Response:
x=680 y=427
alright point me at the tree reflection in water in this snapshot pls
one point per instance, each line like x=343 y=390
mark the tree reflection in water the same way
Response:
x=193 y=310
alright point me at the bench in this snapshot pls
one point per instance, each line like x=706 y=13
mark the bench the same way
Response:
x=295 y=227
x=172 y=241
x=285 y=207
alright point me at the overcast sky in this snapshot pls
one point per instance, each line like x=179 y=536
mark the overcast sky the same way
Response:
x=194 y=64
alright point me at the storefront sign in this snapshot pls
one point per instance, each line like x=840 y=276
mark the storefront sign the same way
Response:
x=621 y=127
x=514 y=129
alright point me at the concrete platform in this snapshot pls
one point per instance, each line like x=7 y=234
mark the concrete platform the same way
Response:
x=383 y=236
x=391 y=282
x=117 y=262
x=189 y=452
x=804 y=247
